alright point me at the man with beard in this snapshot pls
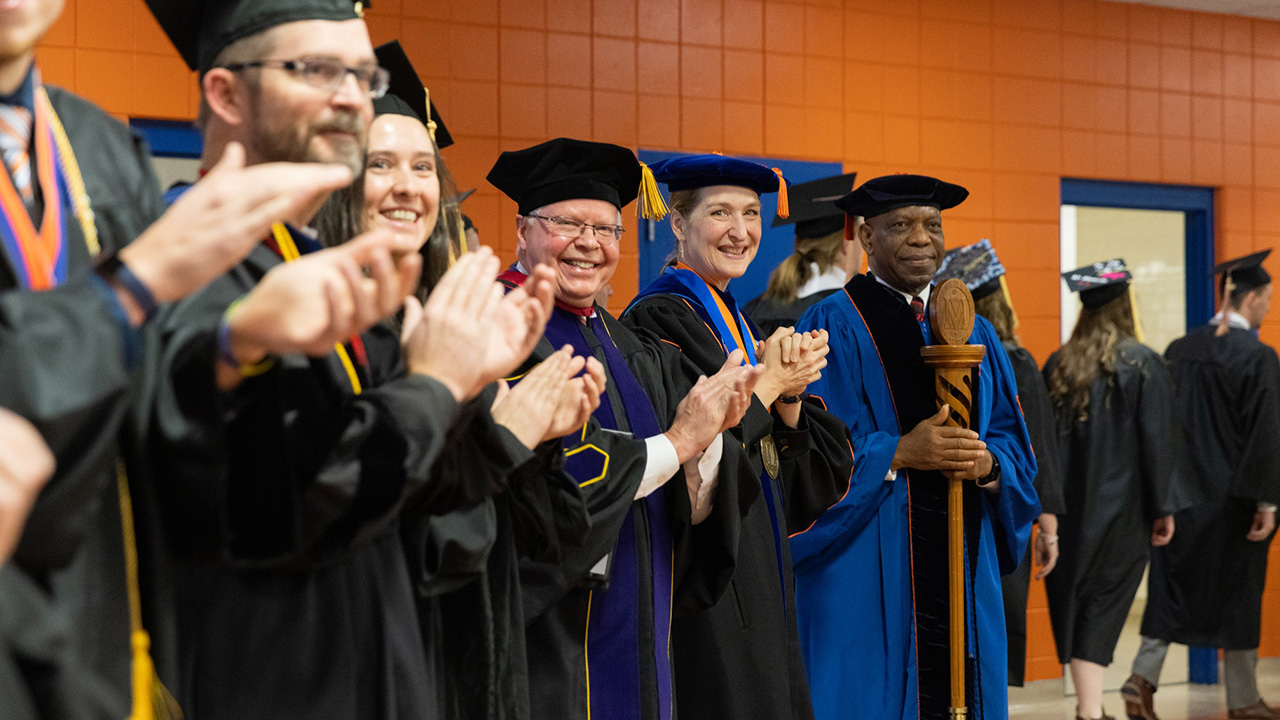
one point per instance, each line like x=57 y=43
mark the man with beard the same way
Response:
x=294 y=598
x=882 y=644
x=79 y=194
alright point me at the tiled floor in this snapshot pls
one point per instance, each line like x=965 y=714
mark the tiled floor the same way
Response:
x=1045 y=699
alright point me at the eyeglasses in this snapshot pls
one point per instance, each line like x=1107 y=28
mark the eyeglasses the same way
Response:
x=326 y=73
x=573 y=228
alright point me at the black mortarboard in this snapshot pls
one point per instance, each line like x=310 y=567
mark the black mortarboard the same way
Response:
x=878 y=196
x=567 y=169
x=406 y=94
x=976 y=265
x=1099 y=283
x=813 y=207
x=1245 y=273
x=200 y=29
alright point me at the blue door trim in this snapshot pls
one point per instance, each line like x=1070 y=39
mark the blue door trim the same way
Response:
x=169 y=138
x=1195 y=201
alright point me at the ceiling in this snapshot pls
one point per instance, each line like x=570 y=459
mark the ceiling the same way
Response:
x=1253 y=8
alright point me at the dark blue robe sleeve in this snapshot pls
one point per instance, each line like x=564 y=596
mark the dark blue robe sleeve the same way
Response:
x=853 y=388
x=1015 y=505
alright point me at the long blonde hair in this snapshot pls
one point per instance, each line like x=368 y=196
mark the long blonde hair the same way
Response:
x=1090 y=351
x=996 y=309
x=786 y=279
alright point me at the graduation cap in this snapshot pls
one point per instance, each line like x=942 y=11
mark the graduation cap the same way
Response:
x=813 y=207
x=1099 y=283
x=406 y=94
x=690 y=172
x=878 y=196
x=567 y=169
x=976 y=265
x=201 y=29
x=1244 y=273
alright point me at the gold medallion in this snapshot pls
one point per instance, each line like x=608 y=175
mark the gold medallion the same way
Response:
x=769 y=454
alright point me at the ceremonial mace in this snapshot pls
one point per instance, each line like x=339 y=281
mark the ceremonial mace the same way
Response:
x=951 y=318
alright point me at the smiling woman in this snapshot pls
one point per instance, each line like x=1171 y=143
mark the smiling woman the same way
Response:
x=404 y=186
x=800 y=452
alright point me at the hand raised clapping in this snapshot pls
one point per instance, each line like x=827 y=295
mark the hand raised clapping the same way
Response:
x=25 y=466
x=469 y=334
x=714 y=405
x=552 y=400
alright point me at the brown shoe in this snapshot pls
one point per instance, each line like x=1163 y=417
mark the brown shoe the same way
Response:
x=1257 y=711
x=1138 y=703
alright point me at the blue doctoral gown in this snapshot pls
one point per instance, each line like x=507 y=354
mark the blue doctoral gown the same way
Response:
x=871 y=573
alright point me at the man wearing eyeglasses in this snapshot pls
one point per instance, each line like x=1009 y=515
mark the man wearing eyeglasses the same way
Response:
x=282 y=513
x=665 y=489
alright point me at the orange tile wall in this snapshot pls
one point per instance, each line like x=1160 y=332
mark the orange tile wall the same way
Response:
x=1003 y=96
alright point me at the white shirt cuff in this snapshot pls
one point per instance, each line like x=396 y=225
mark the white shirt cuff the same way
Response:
x=891 y=475
x=702 y=476
x=661 y=463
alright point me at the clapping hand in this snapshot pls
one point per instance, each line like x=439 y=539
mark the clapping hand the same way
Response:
x=25 y=466
x=713 y=405
x=469 y=334
x=215 y=224
x=321 y=299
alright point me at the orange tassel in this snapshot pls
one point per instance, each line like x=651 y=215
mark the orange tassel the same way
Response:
x=784 y=207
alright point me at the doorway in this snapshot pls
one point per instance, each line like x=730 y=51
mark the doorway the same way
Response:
x=1165 y=235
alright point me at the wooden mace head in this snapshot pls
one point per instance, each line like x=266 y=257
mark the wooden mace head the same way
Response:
x=951 y=313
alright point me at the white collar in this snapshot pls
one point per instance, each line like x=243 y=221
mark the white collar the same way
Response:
x=1234 y=319
x=924 y=294
x=833 y=279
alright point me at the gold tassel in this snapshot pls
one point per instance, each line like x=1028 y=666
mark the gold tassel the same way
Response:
x=1008 y=300
x=784 y=206
x=652 y=206
x=462 y=234
x=1137 y=324
x=151 y=701
x=431 y=124
x=1228 y=287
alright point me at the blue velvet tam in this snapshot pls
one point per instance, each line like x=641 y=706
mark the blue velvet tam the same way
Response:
x=887 y=193
x=976 y=265
x=1099 y=283
x=690 y=172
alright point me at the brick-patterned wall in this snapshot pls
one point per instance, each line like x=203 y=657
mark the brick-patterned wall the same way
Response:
x=1003 y=96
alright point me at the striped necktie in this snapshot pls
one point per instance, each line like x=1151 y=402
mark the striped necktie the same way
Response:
x=918 y=306
x=15 y=139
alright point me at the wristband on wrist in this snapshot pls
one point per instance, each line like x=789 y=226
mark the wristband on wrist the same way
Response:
x=1050 y=539
x=228 y=357
x=992 y=476
x=112 y=269
x=791 y=399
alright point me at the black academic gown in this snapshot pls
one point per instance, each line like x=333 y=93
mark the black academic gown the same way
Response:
x=282 y=503
x=1122 y=468
x=1205 y=587
x=67 y=359
x=741 y=657
x=1037 y=410
x=566 y=601
x=773 y=314
x=466 y=567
